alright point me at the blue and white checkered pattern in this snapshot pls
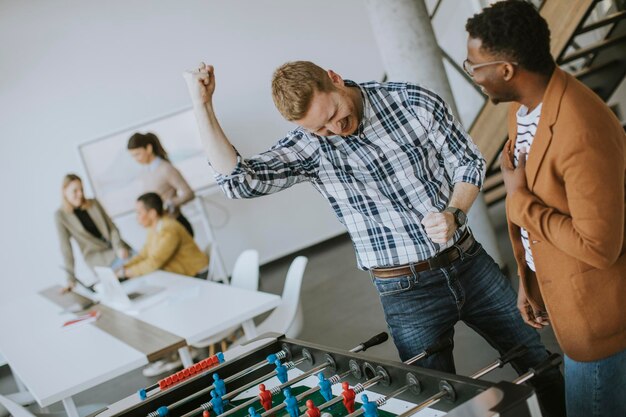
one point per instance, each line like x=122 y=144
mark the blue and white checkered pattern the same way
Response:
x=401 y=164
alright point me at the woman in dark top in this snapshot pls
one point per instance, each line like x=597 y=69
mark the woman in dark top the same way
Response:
x=85 y=221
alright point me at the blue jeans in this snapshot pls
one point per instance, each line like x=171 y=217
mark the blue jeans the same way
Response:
x=423 y=307
x=596 y=389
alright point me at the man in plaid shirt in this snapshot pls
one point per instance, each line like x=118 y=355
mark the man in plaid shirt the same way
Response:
x=400 y=174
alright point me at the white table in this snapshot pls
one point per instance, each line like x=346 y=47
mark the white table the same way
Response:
x=55 y=363
x=198 y=309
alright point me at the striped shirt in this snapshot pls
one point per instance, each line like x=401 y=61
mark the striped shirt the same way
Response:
x=526 y=128
x=400 y=164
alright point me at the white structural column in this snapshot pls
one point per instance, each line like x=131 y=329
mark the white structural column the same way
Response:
x=410 y=52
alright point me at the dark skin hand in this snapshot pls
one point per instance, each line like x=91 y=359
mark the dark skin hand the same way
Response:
x=515 y=180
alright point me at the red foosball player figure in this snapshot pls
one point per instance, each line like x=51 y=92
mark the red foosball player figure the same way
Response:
x=265 y=397
x=348 y=396
x=312 y=410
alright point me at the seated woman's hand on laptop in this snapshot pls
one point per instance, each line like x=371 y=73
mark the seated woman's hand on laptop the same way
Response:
x=68 y=288
x=120 y=272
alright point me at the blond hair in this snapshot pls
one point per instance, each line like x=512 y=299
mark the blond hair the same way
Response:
x=293 y=86
x=67 y=180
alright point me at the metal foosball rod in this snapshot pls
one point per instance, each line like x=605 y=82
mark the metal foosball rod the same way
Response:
x=552 y=361
x=335 y=379
x=378 y=339
x=361 y=347
x=164 y=410
x=144 y=393
x=209 y=405
x=438 y=346
x=273 y=391
x=382 y=400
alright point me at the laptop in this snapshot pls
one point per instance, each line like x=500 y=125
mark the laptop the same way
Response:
x=132 y=296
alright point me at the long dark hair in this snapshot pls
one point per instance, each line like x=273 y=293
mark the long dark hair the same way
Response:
x=142 y=140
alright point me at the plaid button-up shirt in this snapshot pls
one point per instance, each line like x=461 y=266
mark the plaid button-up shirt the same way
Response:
x=401 y=164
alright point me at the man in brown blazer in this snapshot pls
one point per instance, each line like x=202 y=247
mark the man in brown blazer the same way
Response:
x=563 y=169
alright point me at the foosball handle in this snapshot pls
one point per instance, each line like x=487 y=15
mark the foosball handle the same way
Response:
x=376 y=340
x=512 y=354
x=441 y=344
x=552 y=361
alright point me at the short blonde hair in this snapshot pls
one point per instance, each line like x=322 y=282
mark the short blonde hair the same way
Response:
x=293 y=86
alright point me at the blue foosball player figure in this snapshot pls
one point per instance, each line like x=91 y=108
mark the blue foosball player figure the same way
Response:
x=291 y=404
x=281 y=371
x=325 y=387
x=218 y=385
x=370 y=409
x=217 y=403
x=253 y=413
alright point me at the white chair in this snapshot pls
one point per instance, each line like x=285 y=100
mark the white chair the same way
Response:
x=246 y=271
x=212 y=269
x=245 y=275
x=287 y=318
x=14 y=409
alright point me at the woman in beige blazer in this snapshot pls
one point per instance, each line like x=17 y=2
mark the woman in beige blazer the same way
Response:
x=85 y=221
x=160 y=175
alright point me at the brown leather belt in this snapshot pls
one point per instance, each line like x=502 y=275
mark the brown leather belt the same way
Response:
x=440 y=260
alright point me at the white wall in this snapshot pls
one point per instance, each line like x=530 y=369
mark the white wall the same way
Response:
x=71 y=71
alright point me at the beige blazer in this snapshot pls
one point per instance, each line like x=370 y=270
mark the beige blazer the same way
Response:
x=96 y=252
x=574 y=213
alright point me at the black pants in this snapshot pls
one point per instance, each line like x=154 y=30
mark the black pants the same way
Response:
x=183 y=220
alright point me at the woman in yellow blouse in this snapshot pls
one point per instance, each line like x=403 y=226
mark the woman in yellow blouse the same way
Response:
x=168 y=245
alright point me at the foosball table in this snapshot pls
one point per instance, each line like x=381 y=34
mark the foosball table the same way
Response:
x=281 y=377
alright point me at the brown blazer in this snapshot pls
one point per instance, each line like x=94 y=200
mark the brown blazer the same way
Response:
x=574 y=213
x=96 y=252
